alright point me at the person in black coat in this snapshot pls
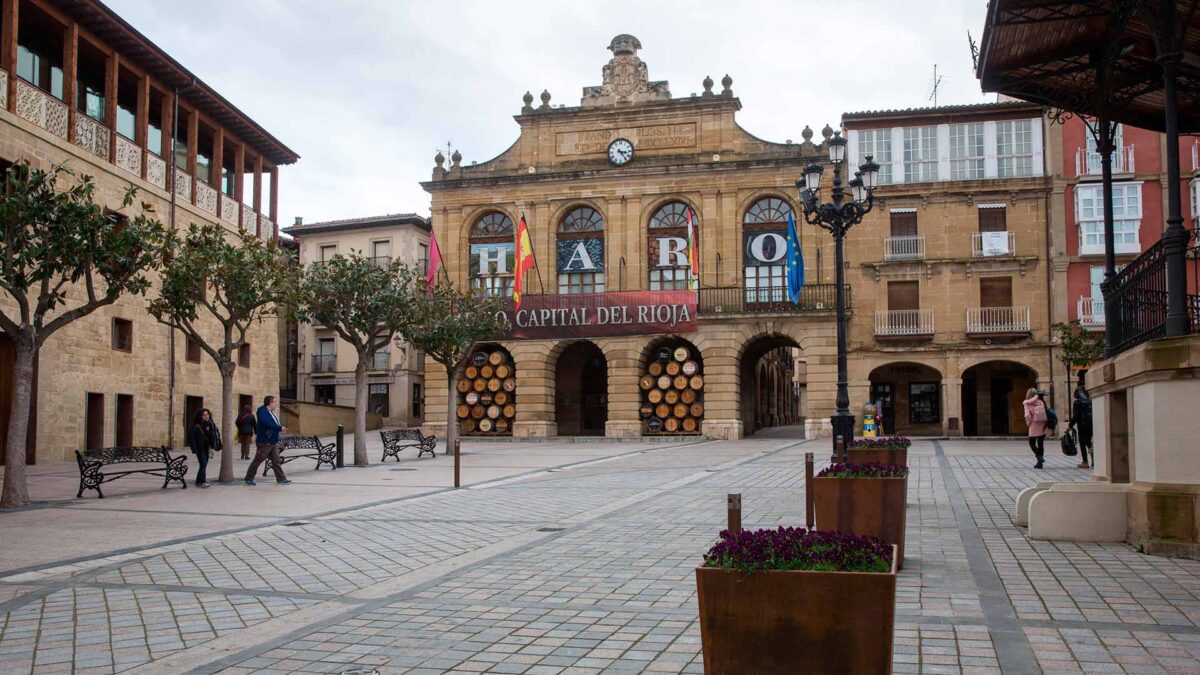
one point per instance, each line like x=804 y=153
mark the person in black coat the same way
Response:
x=246 y=428
x=204 y=437
x=1081 y=421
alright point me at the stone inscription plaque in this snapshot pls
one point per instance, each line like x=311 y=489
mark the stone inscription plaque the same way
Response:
x=653 y=137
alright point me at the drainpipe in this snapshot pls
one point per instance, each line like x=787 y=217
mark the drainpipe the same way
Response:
x=171 y=331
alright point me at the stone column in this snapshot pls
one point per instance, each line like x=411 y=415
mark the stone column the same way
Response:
x=722 y=414
x=624 y=395
x=535 y=388
x=952 y=406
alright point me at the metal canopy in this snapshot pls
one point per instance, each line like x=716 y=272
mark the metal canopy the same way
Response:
x=1079 y=55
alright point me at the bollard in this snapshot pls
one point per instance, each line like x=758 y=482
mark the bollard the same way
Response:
x=341 y=446
x=808 y=493
x=457 y=463
x=839 y=446
x=734 y=504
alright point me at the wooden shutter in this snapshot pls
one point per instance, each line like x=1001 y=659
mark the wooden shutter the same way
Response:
x=995 y=292
x=904 y=224
x=993 y=220
x=903 y=295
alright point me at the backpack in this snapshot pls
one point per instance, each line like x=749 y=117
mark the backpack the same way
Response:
x=1051 y=418
x=1069 y=446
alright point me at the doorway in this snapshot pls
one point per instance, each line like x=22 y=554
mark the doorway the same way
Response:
x=992 y=395
x=93 y=433
x=581 y=390
x=192 y=405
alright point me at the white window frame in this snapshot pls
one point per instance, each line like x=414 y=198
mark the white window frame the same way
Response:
x=967 y=151
x=878 y=144
x=920 y=154
x=1195 y=202
x=322 y=248
x=1015 y=148
x=1127 y=218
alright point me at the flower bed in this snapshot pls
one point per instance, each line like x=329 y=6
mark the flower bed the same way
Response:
x=868 y=470
x=795 y=548
x=885 y=450
x=881 y=442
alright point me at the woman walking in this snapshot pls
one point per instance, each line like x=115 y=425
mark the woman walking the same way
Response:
x=1081 y=420
x=246 y=428
x=204 y=437
x=1035 y=417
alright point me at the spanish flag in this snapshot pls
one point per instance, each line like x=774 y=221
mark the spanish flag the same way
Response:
x=693 y=254
x=525 y=261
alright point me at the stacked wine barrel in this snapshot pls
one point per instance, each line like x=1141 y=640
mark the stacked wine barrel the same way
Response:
x=672 y=391
x=487 y=394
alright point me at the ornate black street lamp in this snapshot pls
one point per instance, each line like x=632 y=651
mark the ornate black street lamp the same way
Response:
x=837 y=217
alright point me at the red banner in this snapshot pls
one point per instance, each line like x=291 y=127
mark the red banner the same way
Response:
x=603 y=314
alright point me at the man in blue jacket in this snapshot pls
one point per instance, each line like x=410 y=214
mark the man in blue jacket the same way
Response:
x=268 y=442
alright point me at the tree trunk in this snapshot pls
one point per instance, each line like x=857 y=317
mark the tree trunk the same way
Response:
x=16 y=491
x=360 y=411
x=451 y=420
x=227 y=369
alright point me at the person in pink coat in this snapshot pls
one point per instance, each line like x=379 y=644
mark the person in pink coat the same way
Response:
x=1035 y=417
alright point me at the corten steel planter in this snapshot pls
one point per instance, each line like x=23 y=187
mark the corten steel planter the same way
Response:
x=898 y=456
x=796 y=622
x=874 y=507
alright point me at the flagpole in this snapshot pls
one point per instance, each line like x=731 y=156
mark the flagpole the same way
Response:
x=533 y=254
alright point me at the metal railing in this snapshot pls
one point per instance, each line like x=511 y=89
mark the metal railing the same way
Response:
x=1089 y=163
x=1091 y=312
x=909 y=247
x=1138 y=294
x=899 y=322
x=324 y=363
x=381 y=361
x=769 y=300
x=993 y=244
x=998 y=320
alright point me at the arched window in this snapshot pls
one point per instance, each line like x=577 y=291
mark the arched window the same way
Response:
x=492 y=253
x=668 y=246
x=579 y=257
x=764 y=250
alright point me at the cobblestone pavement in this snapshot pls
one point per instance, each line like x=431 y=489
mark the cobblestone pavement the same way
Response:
x=589 y=569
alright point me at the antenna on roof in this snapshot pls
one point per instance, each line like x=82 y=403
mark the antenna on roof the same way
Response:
x=933 y=88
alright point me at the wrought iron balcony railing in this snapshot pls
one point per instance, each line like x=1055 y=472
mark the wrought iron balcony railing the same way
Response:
x=1091 y=312
x=1089 y=164
x=381 y=361
x=1139 y=295
x=998 y=320
x=903 y=322
x=324 y=363
x=720 y=300
x=910 y=247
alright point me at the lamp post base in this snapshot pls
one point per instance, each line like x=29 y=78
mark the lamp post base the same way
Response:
x=843 y=428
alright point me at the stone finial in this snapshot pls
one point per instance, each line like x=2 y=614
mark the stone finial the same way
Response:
x=827 y=132
x=626 y=78
x=456 y=159
x=708 y=84
x=545 y=99
x=528 y=99
x=439 y=159
x=624 y=44
x=727 y=85
x=807 y=134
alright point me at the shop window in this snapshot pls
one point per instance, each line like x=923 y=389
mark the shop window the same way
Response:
x=377 y=399
x=668 y=247
x=325 y=393
x=764 y=250
x=493 y=255
x=924 y=403
x=122 y=335
x=579 y=254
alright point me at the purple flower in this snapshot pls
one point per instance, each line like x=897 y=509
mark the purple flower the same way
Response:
x=795 y=548
x=881 y=443
x=872 y=470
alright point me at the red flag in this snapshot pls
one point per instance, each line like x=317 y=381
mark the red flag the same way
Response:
x=524 y=261
x=435 y=260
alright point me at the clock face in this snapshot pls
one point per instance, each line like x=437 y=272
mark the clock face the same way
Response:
x=620 y=151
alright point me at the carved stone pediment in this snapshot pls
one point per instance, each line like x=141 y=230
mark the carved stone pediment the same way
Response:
x=626 y=78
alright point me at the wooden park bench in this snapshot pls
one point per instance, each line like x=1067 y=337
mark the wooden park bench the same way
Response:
x=297 y=447
x=93 y=462
x=395 y=440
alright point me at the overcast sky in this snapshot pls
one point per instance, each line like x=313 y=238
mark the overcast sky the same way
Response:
x=367 y=91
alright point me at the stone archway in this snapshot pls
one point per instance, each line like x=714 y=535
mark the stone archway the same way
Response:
x=992 y=395
x=773 y=383
x=581 y=390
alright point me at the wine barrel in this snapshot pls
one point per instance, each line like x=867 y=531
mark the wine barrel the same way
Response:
x=681 y=382
x=485 y=399
x=463 y=410
x=510 y=411
x=655 y=368
x=468 y=425
x=690 y=424
x=471 y=372
x=697 y=382
x=671 y=425
x=662 y=410
x=681 y=410
x=493 y=411
x=487 y=372
x=697 y=409
x=681 y=354
x=479 y=358
x=655 y=396
x=501 y=424
x=494 y=384
x=688 y=396
x=690 y=368
x=646 y=412
x=510 y=385
x=472 y=398
x=485 y=425
x=673 y=368
x=503 y=370
x=496 y=358
x=501 y=398
x=479 y=385
x=646 y=382
x=477 y=411
x=671 y=397
x=464 y=385
x=664 y=381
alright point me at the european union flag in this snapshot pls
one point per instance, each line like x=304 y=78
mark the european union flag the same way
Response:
x=795 y=262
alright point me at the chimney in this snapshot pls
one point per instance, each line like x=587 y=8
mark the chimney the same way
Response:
x=299 y=221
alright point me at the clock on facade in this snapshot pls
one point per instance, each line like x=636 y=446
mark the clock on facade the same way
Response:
x=620 y=151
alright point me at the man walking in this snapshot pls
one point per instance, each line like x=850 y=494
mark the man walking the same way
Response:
x=267 y=441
